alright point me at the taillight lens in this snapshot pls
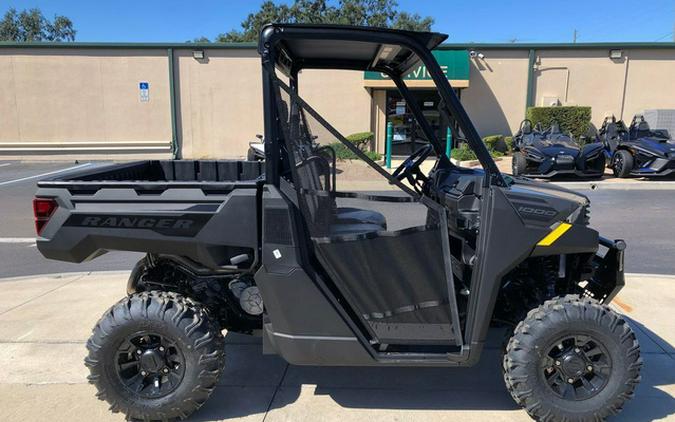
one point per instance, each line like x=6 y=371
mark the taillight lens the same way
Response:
x=43 y=209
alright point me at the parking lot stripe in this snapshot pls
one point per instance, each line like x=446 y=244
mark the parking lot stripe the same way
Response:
x=5 y=164
x=44 y=174
x=17 y=240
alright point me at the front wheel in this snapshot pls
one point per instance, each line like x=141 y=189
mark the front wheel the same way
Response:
x=572 y=359
x=155 y=356
x=518 y=164
x=623 y=163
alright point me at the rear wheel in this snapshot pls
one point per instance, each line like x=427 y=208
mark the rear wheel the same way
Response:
x=623 y=163
x=155 y=356
x=518 y=164
x=572 y=359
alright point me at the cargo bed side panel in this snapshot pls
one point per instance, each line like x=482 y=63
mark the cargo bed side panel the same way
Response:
x=207 y=228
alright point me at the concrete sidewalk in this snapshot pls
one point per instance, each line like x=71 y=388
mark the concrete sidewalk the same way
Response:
x=45 y=321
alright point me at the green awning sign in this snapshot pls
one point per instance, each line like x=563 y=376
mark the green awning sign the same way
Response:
x=454 y=63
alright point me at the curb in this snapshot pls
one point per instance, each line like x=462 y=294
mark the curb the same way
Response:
x=60 y=276
x=638 y=185
x=126 y=273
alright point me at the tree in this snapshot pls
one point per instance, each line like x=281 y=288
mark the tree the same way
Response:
x=31 y=25
x=379 y=13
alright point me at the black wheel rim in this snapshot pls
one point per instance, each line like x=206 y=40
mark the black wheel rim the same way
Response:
x=618 y=163
x=576 y=367
x=150 y=365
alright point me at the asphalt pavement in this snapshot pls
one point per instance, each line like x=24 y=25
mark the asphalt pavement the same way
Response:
x=18 y=253
x=642 y=217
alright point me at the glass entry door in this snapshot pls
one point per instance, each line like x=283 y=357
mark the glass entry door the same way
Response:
x=407 y=136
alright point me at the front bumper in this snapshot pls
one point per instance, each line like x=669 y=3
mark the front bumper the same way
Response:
x=566 y=172
x=660 y=167
x=608 y=276
x=571 y=166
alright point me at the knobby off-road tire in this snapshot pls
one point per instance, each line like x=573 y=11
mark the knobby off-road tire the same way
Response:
x=519 y=164
x=155 y=356
x=535 y=362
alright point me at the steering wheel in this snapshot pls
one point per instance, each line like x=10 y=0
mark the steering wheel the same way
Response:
x=410 y=168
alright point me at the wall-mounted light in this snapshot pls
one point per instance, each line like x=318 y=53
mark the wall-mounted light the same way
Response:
x=615 y=54
x=198 y=54
x=476 y=54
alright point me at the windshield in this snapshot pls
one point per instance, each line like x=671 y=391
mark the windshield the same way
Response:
x=561 y=141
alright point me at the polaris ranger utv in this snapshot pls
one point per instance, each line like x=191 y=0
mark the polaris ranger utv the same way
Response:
x=275 y=252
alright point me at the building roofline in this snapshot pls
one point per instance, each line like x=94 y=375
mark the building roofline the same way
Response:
x=557 y=46
x=129 y=45
x=253 y=45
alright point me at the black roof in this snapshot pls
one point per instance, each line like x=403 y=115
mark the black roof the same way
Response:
x=346 y=47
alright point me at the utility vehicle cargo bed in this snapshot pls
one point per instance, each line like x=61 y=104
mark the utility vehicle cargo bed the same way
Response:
x=206 y=211
x=161 y=172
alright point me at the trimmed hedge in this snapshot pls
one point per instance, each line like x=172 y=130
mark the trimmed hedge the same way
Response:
x=344 y=153
x=361 y=139
x=463 y=153
x=575 y=119
x=509 y=143
x=496 y=143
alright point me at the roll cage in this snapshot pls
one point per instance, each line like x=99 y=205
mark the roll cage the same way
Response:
x=290 y=48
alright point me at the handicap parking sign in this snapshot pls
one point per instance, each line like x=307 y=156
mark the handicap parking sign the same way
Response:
x=144 y=88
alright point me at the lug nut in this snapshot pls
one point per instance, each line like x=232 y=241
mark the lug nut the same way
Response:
x=138 y=352
x=589 y=367
x=161 y=349
x=557 y=363
x=577 y=350
x=570 y=380
x=143 y=373
x=165 y=370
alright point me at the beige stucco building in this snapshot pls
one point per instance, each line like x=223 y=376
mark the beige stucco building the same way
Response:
x=126 y=101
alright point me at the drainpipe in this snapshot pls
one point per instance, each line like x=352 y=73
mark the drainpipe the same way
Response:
x=625 y=85
x=172 y=99
x=529 y=101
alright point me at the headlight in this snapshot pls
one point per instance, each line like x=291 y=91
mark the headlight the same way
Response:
x=581 y=215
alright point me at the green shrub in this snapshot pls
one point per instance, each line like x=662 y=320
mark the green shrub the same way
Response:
x=463 y=153
x=575 y=119
x=496 y=143
x=509 y=143
x=362 y=140
x=344 y=153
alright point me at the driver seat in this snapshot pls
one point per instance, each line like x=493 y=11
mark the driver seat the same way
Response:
x=319 y=203
x=612 y=136
x=324 y=214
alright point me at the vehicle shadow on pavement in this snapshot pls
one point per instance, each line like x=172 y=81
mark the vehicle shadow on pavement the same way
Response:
x=413 y=388
x=479 y=388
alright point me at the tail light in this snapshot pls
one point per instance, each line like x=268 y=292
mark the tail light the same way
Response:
x=43 y=209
